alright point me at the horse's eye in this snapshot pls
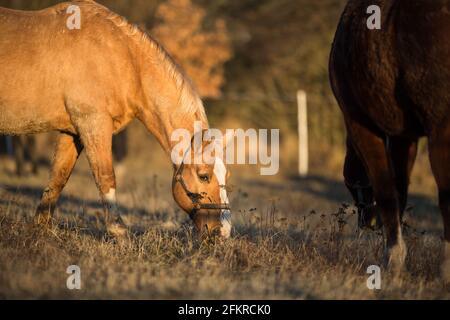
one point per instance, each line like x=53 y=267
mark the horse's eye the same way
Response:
x=203 y=177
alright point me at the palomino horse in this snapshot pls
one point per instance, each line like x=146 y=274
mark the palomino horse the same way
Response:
x=393 y=86
x=88 y=83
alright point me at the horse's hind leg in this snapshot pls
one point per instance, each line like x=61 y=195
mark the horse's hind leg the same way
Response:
x=68 y=148
x=96 y=134
x=372 y=151
x=439 y=146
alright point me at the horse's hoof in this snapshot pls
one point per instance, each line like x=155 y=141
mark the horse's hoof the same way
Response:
x=43 y=219
x=117 y=230
x=395 y=256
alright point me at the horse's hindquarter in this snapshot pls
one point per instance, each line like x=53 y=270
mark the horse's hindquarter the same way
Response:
x=30 y=91
x=51 y=75
x=364 y=68
x=423 y=44
x=371 y=73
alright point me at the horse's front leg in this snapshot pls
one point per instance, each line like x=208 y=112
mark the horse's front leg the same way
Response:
x=372 y=151
x=439 y=149
x=403 y=152
x=359 y=185
x=96 y=135
x=68 y=148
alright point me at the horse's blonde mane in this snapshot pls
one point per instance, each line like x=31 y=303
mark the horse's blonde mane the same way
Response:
x=189 y=100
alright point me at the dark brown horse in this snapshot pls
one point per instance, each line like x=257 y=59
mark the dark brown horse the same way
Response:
x=393 y=86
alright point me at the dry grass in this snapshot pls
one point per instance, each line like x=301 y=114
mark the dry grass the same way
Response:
x=292 y=240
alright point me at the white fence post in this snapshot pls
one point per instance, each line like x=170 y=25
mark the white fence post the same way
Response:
x=303 y=155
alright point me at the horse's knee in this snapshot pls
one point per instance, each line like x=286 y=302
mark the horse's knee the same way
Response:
x=388 y=205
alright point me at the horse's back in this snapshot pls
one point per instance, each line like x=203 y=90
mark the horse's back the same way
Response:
x=45 y=64
x=387 y=76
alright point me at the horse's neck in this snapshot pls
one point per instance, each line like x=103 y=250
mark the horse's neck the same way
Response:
x=170 y=102
x=193 y=123
x=162 y=125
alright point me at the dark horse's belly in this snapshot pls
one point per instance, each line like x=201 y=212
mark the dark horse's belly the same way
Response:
x=397 y=78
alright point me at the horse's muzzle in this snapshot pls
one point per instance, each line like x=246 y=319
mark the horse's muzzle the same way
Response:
x=213 y=223
x=369 y=218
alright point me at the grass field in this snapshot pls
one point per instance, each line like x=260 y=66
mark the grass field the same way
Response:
x=292 y=239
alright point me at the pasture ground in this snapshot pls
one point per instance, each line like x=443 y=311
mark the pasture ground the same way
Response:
x=292 y=239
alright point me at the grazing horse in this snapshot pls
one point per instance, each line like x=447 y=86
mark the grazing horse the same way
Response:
x=89 y=83
x=393 y=86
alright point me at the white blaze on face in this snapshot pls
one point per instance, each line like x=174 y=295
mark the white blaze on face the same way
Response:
x=225 y=215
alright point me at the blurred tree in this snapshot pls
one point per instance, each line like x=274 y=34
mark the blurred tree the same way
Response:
x=200 y=51
x=280 y=46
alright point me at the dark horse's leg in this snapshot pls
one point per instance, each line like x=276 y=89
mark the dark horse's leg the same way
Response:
x=120 y=146
x=19 y=154
x=30 y=151
x=439 y=145
x=120 y=152
x=25 y=149
x=354 y=171
x=403 y=152
x=358 y=184
x=370 y=146
x=68 y=148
